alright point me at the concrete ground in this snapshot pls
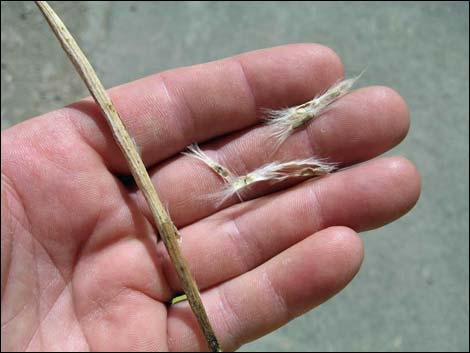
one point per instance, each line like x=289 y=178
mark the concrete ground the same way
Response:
x=413 y=291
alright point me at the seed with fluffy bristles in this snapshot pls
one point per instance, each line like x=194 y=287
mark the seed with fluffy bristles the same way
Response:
x=196 y=152
x=285 y=121
x=274 y=172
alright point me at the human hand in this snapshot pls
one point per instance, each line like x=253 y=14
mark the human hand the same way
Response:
x=81 y=266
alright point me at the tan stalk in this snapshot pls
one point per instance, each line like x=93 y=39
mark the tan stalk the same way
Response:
x=165 y=226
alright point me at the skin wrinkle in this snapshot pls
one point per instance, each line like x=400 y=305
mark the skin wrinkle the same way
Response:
x=76 y=260
x=92 y=248
x=11 y=193
x=20 y=201
x=6 y=323
x=189 y=128
x=306 y=134
x=6 y=288
x=242 y=167
x=236 y=238
x=274 y=293
x=39 y=329
x=147 y=119
x=42 y=320
x=247 y=83
x=315 y=200
x=254 y=247
x=100 y=307
x=232 y=320
x=74 y=309
x=68 y=289
x=223 y=313
x=36 y=282
x=83 y=244
x=43 y=150
x=63 y=276
x=6 y=195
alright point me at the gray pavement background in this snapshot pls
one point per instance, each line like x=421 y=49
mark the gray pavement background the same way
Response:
x=413 y=290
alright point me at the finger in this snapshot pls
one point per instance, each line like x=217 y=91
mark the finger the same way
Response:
x=269 y=296
x=364 y=197
x=361 y=125
x=167 y=111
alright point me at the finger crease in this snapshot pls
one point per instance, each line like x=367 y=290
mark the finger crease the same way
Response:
x=315 y=200
x=247 y=254
x=248 y=85
x=188 y=128
x=232 y=322
x=274 y=295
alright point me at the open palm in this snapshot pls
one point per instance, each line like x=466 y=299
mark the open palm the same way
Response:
x=82 y=268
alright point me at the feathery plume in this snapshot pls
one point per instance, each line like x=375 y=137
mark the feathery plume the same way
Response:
x=285 y=121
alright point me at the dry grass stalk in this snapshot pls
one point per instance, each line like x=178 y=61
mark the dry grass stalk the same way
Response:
x=165 y=225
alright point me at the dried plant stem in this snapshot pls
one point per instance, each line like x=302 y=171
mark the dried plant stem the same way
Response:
x=166 y=228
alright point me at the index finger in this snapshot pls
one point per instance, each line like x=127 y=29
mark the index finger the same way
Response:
x=167 y=111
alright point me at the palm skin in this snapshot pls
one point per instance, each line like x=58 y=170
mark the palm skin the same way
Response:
x=82 y=268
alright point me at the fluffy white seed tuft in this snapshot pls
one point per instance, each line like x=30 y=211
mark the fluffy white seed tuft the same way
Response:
x=274 y=172
x=285 y=121
x=195 y=152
